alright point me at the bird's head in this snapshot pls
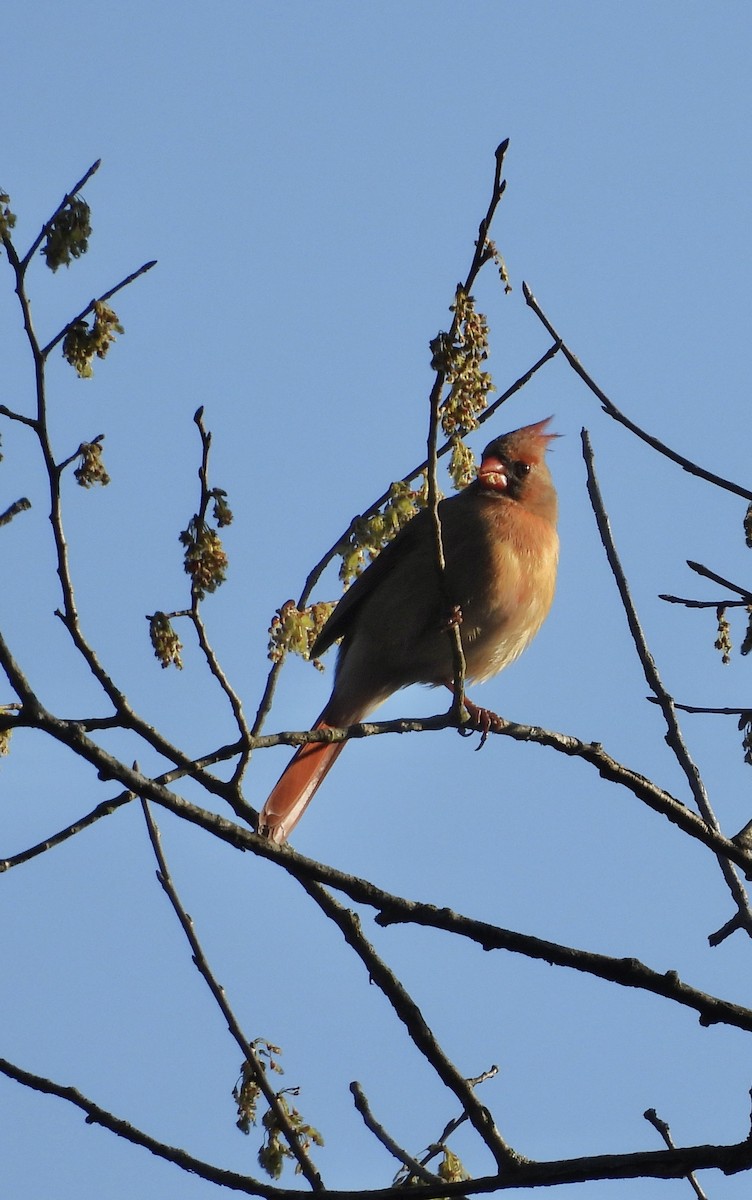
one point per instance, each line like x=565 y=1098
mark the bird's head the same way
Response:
x=514 y=466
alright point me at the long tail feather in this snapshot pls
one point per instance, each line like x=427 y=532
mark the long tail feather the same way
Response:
x=296 y=787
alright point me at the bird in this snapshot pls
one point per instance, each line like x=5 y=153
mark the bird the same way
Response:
x=501 y=551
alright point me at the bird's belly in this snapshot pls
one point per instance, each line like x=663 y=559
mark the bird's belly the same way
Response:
x=500 y=638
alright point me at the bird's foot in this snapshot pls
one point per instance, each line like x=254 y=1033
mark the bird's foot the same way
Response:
x=482 y=720
x=453 y=617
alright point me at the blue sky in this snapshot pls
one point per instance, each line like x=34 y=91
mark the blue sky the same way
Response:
x=310 y=177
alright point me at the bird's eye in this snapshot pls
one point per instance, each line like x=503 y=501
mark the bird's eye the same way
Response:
x=523 y=468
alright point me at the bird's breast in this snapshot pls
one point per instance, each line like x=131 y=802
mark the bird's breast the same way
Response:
x=509 y=610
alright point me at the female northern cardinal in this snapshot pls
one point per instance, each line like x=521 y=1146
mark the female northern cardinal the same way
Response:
x=501 y=551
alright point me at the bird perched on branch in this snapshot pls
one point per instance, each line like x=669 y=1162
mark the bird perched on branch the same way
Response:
x=501 y=551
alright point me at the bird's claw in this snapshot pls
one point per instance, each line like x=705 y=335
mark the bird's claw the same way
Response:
x=481 y=720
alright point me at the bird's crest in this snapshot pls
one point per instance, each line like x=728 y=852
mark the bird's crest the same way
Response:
x=530 y=442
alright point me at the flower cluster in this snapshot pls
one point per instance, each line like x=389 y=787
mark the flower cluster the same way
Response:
x=221 y=511
x=296 y=629
x=204 y=559
x=166 y=643
x=247 y=1091
x=275 y=1150
x=7 y=218
x=461 y=360
x=91 y=468
x=68 y=234
x=462 y=466
x=81 y=343
x=450 y=1169
x=491 y=251
x=369 y=535
x=723 y=640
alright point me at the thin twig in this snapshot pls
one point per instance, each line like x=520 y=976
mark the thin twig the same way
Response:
x=592 y=753
x=451 y=616
x=674 y=737
x=198 y=624
x=720 y=712
x=15 y=416
x=48 y=224
x=704 y=603
x=652 y=1116
x=609 y=407
x=706 y=573
x=107 y=807
x=95 y=441
x=98 y=300
x=377 y=1129
x=454 y=1123
x=18 y=506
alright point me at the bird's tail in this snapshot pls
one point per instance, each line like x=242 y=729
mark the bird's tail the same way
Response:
x=297 y=785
